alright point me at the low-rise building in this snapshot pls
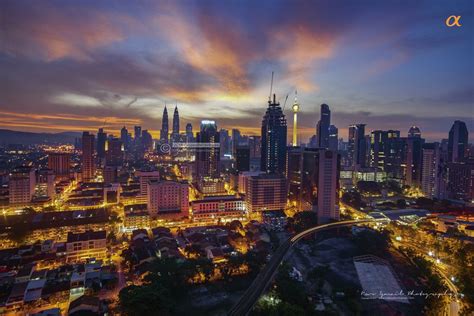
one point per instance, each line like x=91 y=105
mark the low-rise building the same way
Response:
x=87 y=245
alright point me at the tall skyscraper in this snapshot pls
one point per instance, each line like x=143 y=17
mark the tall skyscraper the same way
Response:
x=461 y=180
x=458 y=140
x=189 y=133
x=357 y=145
x=226 y=143
x=208 y=156
x=88 y=165
x=274 y=133
x=147 y=141
x=413 y=157
x=101 y=139
x=333 y=138
x=242 y=158
x=430 y=170
x=114 y=152
x=322 y=129
x=138 y=133
x=124 y=138
x=313 y=175
x=175 y=133
x=414 y=132
x=387 y=152
x=164 y=126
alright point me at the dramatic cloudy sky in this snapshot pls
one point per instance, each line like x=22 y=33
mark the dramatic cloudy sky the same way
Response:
x=77 y=65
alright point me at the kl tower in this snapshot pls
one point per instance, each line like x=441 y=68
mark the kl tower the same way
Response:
x=296 y=108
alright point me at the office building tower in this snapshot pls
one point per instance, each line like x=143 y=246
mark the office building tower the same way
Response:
x=147 y=141
x=124 y=137
x=266 y=192
x=235 y=141
x=146 y=176
x=313 y=176
x=208 y=154
x=88 y=165
x=255 y=146
x=60 y=163
x=274 y=133
x=138 y=133
x=45 y=183
x=387 y=153
x=322 y=128
x=357 y=145
x=189 y=133
x=430 y=170
x=242 y=159
x=333 y=138
x=168 y=199
x=164 y=126
x=114 y=152
x=458 y=141
x=414 y=132
x=225 y=143
x=101 y=139
x=413 y=157
x=21 y=185
x=461 y=180
x=110 y=174
x=175 y=132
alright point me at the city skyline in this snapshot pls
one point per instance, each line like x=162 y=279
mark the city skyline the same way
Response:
x=124 y=64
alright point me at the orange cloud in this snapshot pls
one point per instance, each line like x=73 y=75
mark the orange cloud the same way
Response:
x=49 y=33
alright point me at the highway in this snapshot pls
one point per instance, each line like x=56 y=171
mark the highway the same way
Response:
x=263 y=279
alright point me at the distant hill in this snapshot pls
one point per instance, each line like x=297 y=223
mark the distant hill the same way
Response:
x=28 y=138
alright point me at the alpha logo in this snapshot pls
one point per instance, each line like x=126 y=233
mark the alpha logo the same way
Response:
x=453 y=20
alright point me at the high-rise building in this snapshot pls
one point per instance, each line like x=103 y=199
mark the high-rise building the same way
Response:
x=146 y=176
x=255 y=146
x=125 y=138
x=461 y=180
x=274 y=133
x=138 y=133
x=114 y=152
x=189 y=133
x=387 y=152
x=164 y=126
x=110 y=174
x=242 y=159
x=235 y=141
x=175 y=133
x=60 y=163
x=88 y=165
x=313 y=175
x=45 y=183
x=208 y=154
x=21 y=185
x=266 y=192
x=322 y=128
x=414 y=132
x=430 y=170
x=458 y=141
x=168 y=198
x=333 y=138
x=225 y=143
x=101 y=139
x=413 y=157
x=147 y=141
x=357 y=145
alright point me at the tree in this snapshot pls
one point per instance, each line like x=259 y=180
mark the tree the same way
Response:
x=305 y=220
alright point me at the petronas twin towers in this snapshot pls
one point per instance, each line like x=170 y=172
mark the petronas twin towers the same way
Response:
x=164 y=133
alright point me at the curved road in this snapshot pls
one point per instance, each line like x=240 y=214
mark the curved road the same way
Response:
x=263 y=279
